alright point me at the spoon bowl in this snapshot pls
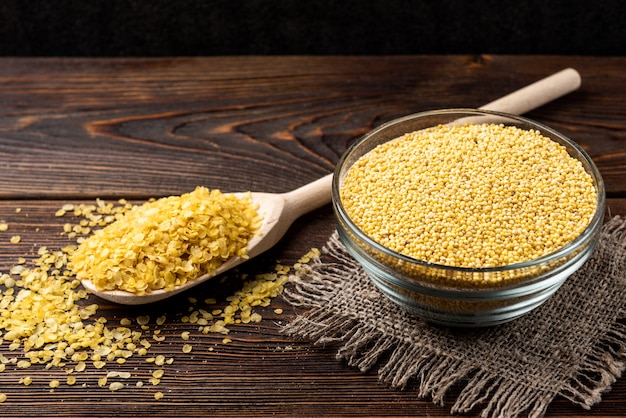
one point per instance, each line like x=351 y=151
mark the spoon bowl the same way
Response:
x=278 y=211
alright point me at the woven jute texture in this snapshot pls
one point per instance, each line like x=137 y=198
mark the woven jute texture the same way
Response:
x=574 y=345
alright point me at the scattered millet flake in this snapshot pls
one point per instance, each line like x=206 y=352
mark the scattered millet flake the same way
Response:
x=158 y=395
x=82 y=356
x=256 y=292
x=313 y=253
x=3 y=397
x=44 y=310
x=187 y=348
x=143 y=319
x=31 y=292
x=15 y=239
x=116 y=386
x=4 y=227
x=99 y=364
x=123 y=375
x=23 y=364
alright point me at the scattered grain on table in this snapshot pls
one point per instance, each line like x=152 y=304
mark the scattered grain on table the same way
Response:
x=26 y=381
x=47 y=321
x=115 y=386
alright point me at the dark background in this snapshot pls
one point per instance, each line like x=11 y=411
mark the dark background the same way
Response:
x=270 y=27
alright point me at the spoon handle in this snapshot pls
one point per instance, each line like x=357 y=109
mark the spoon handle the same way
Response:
x=309 y=197
x=318 y=193
x=537 y=94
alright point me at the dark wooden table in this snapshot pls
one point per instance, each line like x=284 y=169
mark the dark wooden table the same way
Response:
x=73 y=130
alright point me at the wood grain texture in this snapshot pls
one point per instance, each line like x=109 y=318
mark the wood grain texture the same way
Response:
x=72 y=130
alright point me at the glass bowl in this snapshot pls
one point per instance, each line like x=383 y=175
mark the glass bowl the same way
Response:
x=448 y=295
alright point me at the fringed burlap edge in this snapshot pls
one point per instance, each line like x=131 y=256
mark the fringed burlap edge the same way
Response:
x=435 y=372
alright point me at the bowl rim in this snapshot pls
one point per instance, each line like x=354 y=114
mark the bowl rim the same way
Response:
x=584 y=236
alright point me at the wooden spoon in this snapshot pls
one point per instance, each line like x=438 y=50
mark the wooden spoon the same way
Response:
x=280 y=210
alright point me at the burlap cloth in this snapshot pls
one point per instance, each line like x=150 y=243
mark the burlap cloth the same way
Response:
x=573 y=346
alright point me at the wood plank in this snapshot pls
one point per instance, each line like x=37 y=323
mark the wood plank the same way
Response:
x=153 y=127
x=260 y=373
x=72 y=130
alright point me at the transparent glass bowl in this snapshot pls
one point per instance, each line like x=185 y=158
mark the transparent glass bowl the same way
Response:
x=423 y=288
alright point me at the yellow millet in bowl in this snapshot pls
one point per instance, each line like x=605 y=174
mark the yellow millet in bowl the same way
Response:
x=470 y=195
x=467 y=218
